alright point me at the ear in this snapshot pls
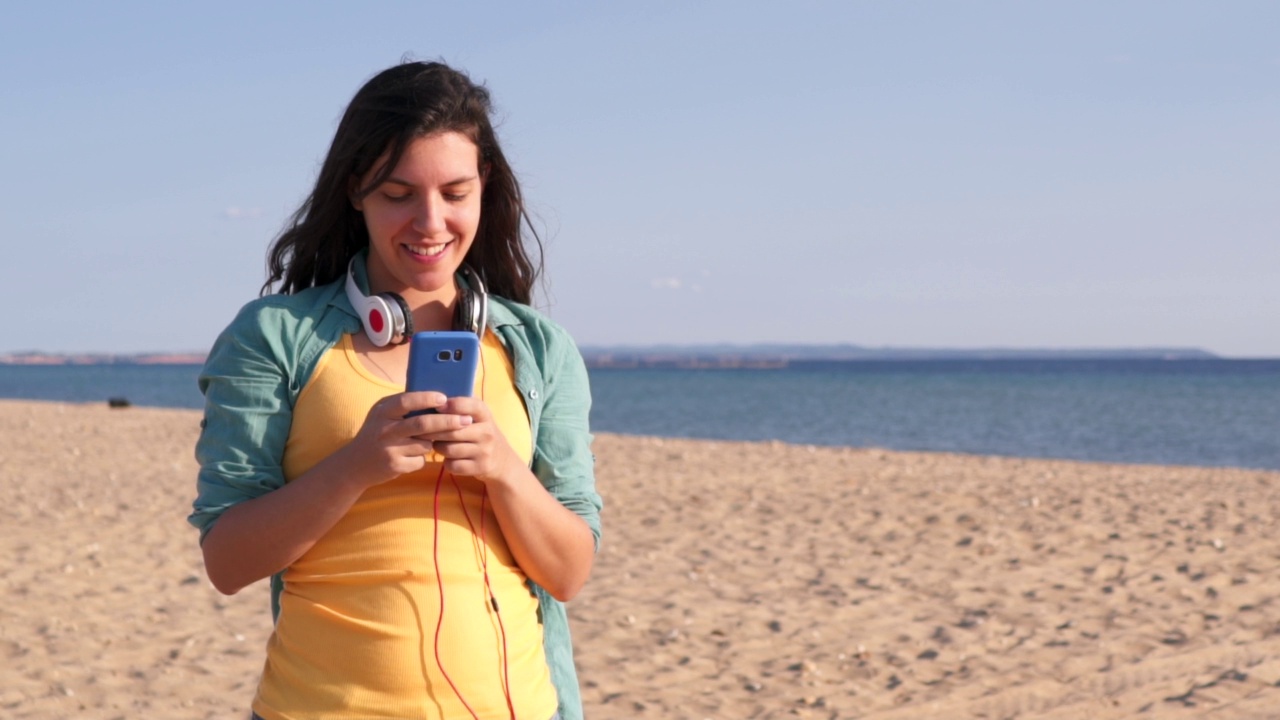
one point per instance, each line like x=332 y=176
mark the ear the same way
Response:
x=357 y=201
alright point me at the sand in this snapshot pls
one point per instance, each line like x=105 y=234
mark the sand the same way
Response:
x=737 y=580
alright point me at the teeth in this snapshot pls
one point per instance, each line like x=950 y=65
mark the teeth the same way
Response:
x=427 y=251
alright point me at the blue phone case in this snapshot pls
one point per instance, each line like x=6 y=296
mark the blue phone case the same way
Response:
x=444 y=362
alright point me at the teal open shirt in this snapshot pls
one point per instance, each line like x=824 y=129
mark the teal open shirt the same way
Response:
x=260 y=363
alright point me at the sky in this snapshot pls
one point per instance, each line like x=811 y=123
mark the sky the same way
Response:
x=902 y=174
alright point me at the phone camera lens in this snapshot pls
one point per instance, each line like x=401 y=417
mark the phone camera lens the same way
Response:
x=443 y=355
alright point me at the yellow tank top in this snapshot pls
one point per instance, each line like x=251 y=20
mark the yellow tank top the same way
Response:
x=356 y=635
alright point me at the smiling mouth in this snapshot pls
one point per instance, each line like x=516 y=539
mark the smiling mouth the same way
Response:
x=427 y=251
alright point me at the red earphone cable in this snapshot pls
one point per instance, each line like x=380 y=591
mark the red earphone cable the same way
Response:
x=435 y=554
x=484 y=567
x=488 y=586
x=502 y=628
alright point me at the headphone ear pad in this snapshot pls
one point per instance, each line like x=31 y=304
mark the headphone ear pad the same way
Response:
x=405 y=319
x=471 y=314
x=464 y=315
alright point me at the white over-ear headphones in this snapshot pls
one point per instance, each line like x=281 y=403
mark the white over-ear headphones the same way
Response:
x=387 y=318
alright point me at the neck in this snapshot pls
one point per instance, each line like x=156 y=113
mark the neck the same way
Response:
x=432 y=309
x=432 y=315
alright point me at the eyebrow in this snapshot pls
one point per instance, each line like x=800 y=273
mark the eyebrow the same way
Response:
x=451 y=183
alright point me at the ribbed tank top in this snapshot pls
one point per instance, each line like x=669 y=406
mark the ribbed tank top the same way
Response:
x=356 y=635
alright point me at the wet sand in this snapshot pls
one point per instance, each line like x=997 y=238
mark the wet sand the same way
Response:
x=736 y=580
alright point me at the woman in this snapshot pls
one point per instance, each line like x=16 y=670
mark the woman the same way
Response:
x=418 y=565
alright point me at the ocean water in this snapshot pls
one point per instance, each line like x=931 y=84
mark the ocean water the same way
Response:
x=151 y=385
x=1188 y=412
x=1213 y=412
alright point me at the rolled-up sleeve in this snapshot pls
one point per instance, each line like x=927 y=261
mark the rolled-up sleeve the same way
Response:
x=247 y=414
x=563 y=461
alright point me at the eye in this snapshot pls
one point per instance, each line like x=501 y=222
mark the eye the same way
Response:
x=454 y=197
x=396 y=195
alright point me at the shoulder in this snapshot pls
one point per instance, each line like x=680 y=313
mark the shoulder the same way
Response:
x=545 y=356
x=533 y=338
x=287 y=327
x=275 y=313
x=536 y=327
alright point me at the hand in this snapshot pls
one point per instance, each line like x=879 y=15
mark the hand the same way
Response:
x=390 y=445
x=476 y=447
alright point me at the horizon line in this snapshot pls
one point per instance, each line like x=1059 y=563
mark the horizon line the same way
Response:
x=761 y=350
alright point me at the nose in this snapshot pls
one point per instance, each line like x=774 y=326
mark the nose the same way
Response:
x=429 y=215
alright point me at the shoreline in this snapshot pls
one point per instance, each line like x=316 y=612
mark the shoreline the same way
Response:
x=57 y=359
x=735 y=579
x=107 y=402
x=725 y=355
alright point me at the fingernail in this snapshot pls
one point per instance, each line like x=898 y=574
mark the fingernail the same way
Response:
x=466 y=420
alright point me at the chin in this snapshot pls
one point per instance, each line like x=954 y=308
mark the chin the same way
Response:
x=432 y=282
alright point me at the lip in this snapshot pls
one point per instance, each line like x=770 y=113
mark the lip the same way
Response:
x=427 y=259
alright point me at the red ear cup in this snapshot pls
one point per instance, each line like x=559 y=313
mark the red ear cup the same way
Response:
x=375 y=321
x=385 y=317
x=378 y=318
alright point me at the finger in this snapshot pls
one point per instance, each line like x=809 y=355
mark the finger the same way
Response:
x=414 y=446
x=445 y=449
x=473 y=437
x=475 y=407
x=436 y=424
x=400 y=405
x=455 y=450
x=462 y=468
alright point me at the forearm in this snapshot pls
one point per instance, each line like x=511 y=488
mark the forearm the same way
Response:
x=552 y=545
x=258 y=538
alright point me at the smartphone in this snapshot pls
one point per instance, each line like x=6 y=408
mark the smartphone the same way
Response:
x=444 y=362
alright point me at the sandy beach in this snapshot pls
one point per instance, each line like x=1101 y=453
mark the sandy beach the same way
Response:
x=736 y=580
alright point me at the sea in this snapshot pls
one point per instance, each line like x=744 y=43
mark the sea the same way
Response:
x=1205 y=412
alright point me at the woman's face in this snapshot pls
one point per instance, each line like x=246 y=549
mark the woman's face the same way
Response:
x=423 y=218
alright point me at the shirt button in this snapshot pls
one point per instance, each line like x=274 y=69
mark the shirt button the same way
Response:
x=533 y=394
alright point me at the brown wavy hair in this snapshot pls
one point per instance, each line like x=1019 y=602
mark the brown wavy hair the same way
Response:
x=398 y=105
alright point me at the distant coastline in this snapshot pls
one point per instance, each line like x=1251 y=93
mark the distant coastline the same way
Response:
x=769 y=357
x=41 y=358
x=758 y=357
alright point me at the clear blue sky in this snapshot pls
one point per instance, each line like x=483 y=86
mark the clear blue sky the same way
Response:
x=911 y=174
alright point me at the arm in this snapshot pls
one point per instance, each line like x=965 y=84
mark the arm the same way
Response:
x=552 y=545
x=549 y=514
x=252 y=523
x=257 y=538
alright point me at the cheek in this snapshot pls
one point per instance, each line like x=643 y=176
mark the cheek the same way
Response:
x=383 y=222
x=468 y=218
